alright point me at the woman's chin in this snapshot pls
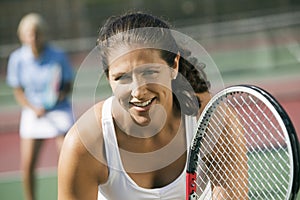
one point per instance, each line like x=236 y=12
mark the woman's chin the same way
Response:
x=142 y=120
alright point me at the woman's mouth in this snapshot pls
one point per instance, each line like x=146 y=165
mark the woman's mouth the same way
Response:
x=142 y=104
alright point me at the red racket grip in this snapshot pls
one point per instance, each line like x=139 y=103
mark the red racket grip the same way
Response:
x=190 y=184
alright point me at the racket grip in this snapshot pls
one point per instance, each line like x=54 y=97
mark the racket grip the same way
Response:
x=190 y=185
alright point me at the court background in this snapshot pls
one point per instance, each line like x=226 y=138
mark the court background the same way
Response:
x=251 y=42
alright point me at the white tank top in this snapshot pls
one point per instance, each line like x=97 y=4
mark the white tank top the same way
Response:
x=119 y=185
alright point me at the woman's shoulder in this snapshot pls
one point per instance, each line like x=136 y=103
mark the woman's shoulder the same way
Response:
x=204 y=98
x=86 y=135
x=55 y=52
x=18 y=53
x=83 y=147
x=53 y=48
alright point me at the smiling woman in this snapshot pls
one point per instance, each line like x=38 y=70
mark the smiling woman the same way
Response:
x=134 y=144
x=138 y=86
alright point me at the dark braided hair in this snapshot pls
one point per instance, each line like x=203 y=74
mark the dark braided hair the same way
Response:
x=145 y=30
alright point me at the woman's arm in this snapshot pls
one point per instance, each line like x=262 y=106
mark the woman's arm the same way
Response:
x=229 y=164
x=65 y=91
x=228 y=161
x=80 y=171
x=22 y=100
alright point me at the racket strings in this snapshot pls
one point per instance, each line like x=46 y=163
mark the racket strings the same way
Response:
x=217 y=126
x=262 y=119
x=267 y=123
x=247 y=118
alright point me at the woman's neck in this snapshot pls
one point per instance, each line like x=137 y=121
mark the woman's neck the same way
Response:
x=161 y=121
x=37 y=50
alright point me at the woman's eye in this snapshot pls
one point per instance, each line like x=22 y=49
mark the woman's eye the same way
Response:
x=123 y=77
x=150 y=72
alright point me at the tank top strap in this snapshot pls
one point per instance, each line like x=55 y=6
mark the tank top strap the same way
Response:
x=190 y=128
x=110 y=140
x=106 y=109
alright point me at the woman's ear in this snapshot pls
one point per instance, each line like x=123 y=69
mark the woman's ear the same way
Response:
x=176 y=66
x=176 y=61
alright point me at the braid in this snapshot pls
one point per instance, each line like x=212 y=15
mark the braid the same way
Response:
x=192 y=80
x=193 y=71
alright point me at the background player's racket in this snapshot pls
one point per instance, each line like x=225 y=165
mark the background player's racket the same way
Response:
x=245 y=148
x=51 y=90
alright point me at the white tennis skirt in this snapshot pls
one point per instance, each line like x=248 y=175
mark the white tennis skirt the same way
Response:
x=52 y=124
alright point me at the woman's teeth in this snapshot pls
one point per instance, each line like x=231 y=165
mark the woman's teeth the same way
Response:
x=142 y=104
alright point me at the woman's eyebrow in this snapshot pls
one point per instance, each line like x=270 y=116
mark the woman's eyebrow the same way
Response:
x=118 y=74
x=149 y=66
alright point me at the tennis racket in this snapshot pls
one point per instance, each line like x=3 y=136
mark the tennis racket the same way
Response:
x=245 y=147
x=51 y=90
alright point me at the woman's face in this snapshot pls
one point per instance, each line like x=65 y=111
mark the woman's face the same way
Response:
x=33 y=37
x=141 y=80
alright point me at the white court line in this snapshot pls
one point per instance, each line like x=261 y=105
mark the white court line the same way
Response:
x=294 y=50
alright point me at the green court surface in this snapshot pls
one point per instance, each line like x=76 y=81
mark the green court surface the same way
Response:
x=11 y=187
x=268 y=175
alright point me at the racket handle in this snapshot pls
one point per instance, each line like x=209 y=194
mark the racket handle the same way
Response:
x=191 y=186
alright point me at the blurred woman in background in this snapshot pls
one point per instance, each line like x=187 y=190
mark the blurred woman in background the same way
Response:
x=41 y=77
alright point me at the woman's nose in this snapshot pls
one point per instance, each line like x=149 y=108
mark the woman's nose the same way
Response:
x=138 y=87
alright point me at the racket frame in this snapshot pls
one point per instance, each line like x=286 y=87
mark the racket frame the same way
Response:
x=276 y=109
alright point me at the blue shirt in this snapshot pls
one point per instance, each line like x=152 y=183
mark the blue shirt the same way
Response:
x=41 y=78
